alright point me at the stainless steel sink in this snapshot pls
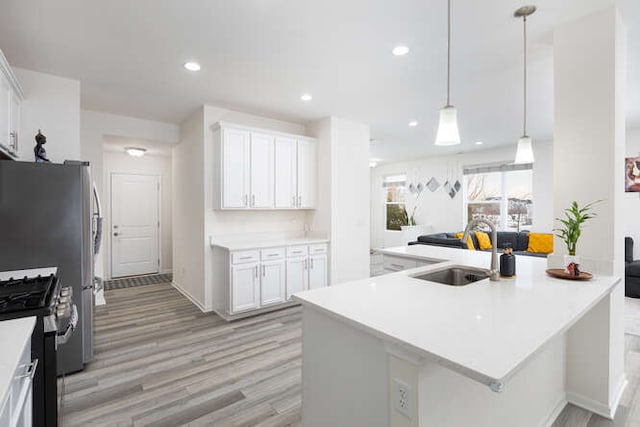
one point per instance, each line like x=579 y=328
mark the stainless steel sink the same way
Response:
x=455 y=276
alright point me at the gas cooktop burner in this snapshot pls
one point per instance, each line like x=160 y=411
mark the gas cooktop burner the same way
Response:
x=27 y=294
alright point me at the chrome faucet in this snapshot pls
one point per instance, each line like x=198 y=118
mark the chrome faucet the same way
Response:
x=494 y=274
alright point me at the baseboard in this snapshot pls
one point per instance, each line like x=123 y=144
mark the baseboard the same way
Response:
x=553 y=415
x=189 y=297
x=167 y=271
x=602 y=409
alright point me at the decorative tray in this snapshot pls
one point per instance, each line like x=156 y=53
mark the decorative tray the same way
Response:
x=561 y=274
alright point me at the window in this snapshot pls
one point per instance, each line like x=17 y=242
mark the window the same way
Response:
x=394 y=198
x=500 y=194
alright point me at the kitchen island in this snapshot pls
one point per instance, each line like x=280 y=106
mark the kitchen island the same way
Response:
x=400 y=351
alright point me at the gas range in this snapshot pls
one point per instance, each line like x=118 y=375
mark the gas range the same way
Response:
x=39 y=293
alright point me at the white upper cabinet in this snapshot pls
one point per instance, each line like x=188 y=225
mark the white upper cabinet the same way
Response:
x=261 y=169
x=236 y=152
x=307 y=174
x=286 y=168
x=10 y=98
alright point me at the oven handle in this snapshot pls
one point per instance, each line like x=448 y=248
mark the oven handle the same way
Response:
x=63 y=338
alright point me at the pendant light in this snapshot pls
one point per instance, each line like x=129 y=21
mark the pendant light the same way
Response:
x=448 y=133
x=524 y=154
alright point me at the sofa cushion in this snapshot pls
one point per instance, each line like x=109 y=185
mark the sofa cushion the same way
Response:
x=470 y=244
x=508 y=238
x=442 y=241
x=523 y=241
x=628 y=249
x=483 y=240
x=632 y=269
x=540 y=243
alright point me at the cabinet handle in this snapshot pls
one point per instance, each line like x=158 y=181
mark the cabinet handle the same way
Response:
x=397 y=266
x=253 y=200
x=256 y=270
x=293 y=201
x=245 y=200
x=299 y=201
x=246 y=257
x=263 y=271
x=305 y=264
x=311 y=263
x=30 y=371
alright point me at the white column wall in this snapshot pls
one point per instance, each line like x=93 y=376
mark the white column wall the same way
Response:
x=589 y=143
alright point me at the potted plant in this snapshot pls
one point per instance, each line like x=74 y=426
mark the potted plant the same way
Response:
x=570 y=231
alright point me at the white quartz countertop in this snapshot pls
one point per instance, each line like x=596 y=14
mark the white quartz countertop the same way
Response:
x=485 y=330
x=245 y=243
x=13 y=336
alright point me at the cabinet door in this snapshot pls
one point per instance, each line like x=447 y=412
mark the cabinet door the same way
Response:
x=5 y=115
x=307 y=174
x=318 y=272
x=272 y=282
x=261 y=171
x=286 y=170
x=14 y=124
x=235 y=168
x=297 y=275
x=245 y=289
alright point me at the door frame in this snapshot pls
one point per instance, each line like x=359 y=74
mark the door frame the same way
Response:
x=110 y=213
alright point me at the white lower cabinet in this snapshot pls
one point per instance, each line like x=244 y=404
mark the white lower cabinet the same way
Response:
x=261 y=278
x=297 y=275
x=245 y=287
x=272 y=282
x=318 y=271
x=16 y=409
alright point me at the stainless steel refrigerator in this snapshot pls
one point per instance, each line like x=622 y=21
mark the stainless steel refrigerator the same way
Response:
x=47 y=219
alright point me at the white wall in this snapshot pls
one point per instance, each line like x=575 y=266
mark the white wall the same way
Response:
x=95 y=126
x=51 y=104
x=121 y=162
x=344 y=208
x=630 y=203
x=445 y=214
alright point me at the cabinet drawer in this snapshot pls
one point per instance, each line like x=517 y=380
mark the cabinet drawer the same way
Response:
x=320 y=248
x=392 y=263
x=244 y=257
x=272 y=254
x=293 y=251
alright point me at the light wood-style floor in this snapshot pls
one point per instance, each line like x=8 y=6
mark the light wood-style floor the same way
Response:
x=160 y=361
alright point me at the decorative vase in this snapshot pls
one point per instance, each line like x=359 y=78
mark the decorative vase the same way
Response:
x=572 y=264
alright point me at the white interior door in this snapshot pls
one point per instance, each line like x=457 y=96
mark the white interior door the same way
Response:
x=134 y=224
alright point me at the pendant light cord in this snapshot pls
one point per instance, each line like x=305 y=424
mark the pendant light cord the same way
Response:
x=524 y=28
x=448 y=51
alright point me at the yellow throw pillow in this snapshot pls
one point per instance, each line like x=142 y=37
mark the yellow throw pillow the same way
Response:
x=469 y=241
x=541 y=243
x=483 y=240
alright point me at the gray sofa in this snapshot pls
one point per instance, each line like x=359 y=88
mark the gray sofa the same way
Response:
x=631 y=271
x=519 y=241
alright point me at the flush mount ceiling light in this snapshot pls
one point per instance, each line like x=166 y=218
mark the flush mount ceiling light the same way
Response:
x=413 y=123
x=135 y=151
x=400 y=50
x=306 y=97
x=192 y=66
x=448 y=133
x=525 y=148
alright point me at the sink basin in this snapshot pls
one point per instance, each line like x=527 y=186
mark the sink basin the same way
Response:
x=455 y=276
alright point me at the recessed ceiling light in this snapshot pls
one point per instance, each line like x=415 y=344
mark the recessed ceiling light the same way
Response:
x=135 y=151
x=479 y=142
x=400 y=50
x=306 y=97
x=192 y=66
x=413 y=123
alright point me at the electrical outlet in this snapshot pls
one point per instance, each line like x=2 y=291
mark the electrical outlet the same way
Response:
x=402 y=396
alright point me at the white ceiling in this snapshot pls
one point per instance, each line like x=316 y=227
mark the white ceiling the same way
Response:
x=259 y=56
